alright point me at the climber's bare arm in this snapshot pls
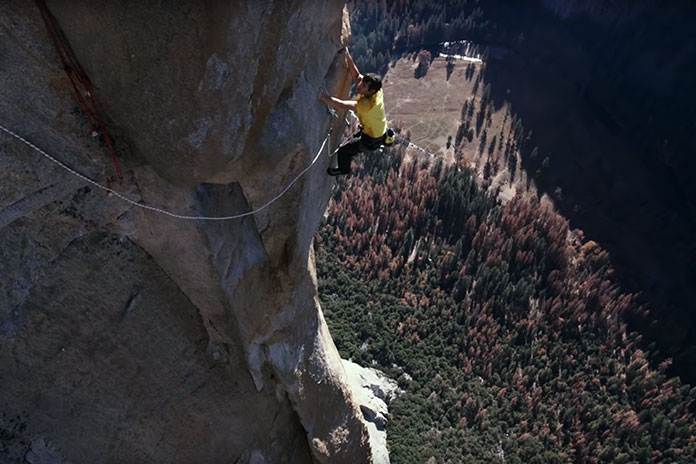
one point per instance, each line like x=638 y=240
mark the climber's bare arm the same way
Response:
x=337 y=103
x=352 y=69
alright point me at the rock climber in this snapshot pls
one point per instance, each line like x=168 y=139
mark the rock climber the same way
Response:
x=369 y=106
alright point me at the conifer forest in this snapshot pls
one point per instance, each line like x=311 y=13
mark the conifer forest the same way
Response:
x=506 y=328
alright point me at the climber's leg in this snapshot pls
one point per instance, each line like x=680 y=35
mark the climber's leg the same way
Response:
x=346 y=152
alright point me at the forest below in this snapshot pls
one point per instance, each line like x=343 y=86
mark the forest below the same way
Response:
x=605 y=115
x=504 y=328
x=509 y=331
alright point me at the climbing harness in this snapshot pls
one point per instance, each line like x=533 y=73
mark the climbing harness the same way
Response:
x=396 y=138
x=82 y=87
x=162 y=211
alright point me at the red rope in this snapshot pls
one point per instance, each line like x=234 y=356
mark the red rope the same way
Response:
x=78 y=79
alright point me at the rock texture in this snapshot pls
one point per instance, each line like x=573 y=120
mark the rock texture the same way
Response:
x=130 y=336
x=373 y=391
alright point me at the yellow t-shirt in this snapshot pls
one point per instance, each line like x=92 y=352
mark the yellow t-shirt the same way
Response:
x=371 y=114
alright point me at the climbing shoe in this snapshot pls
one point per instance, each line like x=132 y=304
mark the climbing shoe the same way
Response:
x=335 y=172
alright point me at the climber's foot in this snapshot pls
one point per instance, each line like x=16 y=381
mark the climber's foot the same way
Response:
x=335 y=172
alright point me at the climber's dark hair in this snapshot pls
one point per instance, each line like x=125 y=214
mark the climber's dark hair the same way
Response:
x=372 y=81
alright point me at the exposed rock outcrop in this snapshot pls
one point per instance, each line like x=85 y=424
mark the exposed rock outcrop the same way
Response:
x=373 y=391
x=128 y=336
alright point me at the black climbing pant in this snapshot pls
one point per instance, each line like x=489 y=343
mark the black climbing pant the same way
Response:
x=358 y=143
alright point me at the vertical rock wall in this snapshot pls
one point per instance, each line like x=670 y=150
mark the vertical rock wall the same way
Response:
x=129 y=336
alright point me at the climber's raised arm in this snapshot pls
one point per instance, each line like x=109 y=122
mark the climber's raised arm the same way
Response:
x=352 y=69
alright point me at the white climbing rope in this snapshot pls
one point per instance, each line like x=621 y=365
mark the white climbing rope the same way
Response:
x=410 y=144
x=400 y=139
x=159 y=210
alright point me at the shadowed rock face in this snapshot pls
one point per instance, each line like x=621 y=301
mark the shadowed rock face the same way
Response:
x=130 y=336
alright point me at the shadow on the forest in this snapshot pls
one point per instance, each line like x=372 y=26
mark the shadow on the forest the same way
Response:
x=606 y=178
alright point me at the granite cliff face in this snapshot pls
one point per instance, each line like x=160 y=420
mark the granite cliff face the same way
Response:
x=130 y=336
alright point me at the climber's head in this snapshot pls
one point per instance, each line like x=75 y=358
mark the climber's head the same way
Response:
x=369 y=85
